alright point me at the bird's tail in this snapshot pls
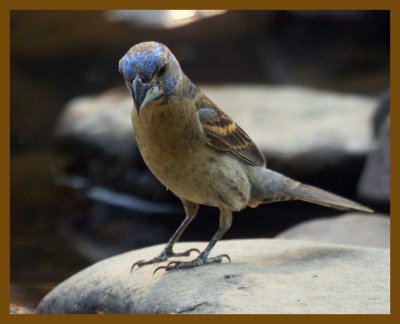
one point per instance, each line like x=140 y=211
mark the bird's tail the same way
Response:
x=321 y=197
x=269 y=186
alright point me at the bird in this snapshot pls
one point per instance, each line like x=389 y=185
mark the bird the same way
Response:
x=199 y=153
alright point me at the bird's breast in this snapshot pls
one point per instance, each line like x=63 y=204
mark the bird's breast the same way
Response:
x=166 y=139
x=172 y=146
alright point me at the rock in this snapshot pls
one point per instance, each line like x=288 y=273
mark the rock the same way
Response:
x=374 y=184
x=159 y=19
x=102 y=121
x=301 y=131
x=381 y=113
x=371 y=230
x=18 y=309
x=265 y=276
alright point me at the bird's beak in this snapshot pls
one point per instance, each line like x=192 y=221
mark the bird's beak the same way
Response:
x=144 y=93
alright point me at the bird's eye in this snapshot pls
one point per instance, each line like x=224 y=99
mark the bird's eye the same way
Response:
x=162 y=71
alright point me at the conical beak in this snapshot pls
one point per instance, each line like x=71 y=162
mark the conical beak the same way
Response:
x=139 y=90
x=144 y=93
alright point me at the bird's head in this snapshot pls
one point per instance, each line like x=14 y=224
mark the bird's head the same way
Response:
x=151 y=73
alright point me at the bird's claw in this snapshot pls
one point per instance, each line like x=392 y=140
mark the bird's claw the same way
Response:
x=139 y=264
x=164 y=256
x=142 y=263
x=191 y=250
x=176 y=265
x=168 y=267
x=158 y=268
x=225 y=256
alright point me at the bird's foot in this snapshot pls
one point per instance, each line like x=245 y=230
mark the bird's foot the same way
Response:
x=164 y=256
x=199 y=261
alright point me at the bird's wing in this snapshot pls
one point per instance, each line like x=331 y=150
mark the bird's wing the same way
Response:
x=222 y=133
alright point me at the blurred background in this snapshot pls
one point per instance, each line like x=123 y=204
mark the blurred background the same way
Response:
x=310 y=87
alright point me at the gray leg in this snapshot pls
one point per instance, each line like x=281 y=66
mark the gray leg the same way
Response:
x=225 y=221
x=190 y=211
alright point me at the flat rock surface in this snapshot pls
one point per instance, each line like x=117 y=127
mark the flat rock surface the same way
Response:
x=352 y=228
x=283 y=121
x=265 y=276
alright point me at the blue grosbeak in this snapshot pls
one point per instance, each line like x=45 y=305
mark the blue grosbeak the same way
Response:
x=200 y=153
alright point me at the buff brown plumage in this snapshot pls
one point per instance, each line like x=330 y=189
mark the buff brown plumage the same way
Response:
x=199 y=152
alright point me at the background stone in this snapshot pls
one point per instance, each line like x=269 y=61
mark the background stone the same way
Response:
x=352 y=229
x=301 y=131
x=374 y=184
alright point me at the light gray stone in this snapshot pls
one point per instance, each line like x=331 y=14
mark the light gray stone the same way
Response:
x=351 y=228
x=374 y=184
x=304 y=129
x=381 y=113
x=265 y=276
x=101 y=121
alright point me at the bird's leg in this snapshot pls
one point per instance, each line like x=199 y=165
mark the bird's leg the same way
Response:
x=225 y=221
x=190 y=211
